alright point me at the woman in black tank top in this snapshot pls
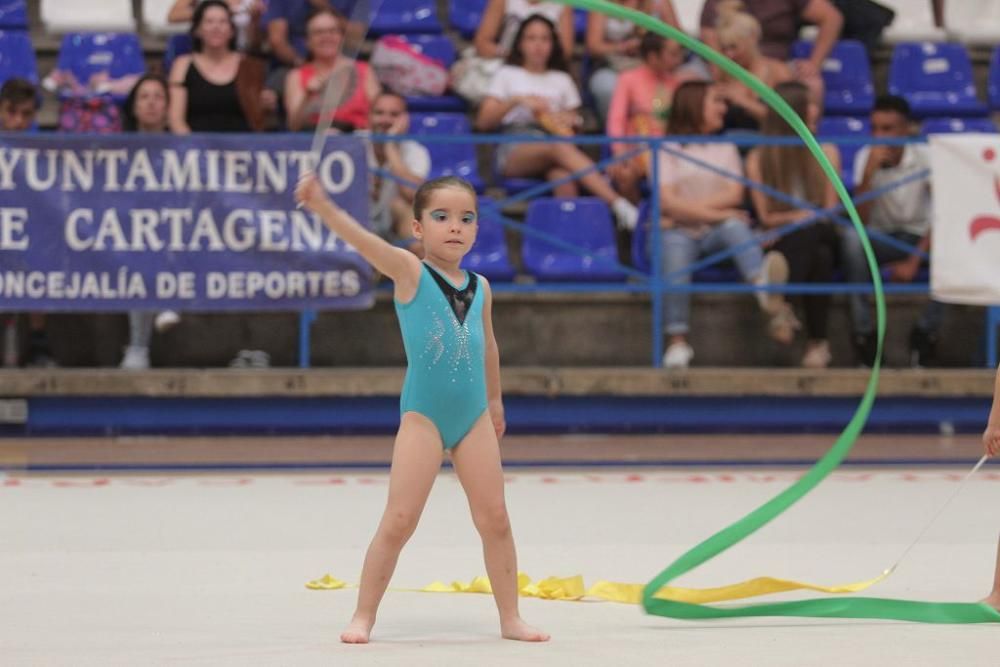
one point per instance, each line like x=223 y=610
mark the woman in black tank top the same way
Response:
x=197 y=102
x=212 y=107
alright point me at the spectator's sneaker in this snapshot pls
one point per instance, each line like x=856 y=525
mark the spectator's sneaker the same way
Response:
x=259 y=359
x=678 y=356
x=864 y=349
x=41 y=360
x=817 y=355
x=626 y=214
x=251 y=359
x=166 y=320
x=774 y=271
x=136 y=358
x=923 y=346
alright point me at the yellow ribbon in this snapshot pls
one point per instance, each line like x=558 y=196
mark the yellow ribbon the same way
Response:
x=572 y=589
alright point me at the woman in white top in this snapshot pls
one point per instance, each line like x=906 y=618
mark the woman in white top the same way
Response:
x=532 y=94
x=613 y=44
x=502 y=18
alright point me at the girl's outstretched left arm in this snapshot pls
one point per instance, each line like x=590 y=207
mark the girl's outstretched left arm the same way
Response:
x=493 y=391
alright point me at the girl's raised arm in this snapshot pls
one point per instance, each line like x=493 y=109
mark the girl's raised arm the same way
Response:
x=400 y=265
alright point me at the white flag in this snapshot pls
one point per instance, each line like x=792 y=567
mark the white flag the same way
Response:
x=965 y=245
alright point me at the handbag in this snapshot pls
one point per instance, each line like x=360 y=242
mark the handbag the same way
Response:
x=90 y=115
x=471 y=75
x=406 y=71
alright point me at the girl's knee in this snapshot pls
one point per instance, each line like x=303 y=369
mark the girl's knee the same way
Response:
x=398 y=525
x=493 y=520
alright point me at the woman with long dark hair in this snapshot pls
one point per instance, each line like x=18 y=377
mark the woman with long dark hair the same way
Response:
x=204 y=96
x=533 y=94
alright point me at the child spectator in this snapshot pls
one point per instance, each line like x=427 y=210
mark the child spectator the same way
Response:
x=502 y=19
x=614 y=46
x=640 y=107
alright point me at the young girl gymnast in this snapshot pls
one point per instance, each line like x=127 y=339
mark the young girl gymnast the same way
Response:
x=451 y=395
x=991 y=443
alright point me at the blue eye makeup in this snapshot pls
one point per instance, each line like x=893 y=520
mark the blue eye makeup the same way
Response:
x=439 y=215
x=468 y=218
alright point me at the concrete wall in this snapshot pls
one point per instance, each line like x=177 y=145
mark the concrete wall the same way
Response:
x=533 y=330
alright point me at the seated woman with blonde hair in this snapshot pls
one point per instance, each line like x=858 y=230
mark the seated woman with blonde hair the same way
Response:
x=739 y=35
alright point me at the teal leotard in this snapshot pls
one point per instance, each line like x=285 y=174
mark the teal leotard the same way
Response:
x=442 y=330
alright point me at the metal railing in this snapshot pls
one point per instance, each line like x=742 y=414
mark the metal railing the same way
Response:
x=655 y=283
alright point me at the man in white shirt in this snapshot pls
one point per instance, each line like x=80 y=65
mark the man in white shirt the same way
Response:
x=902 y=213
x=407 y=161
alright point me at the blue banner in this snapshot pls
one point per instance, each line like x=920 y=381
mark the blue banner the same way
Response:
x=202 y=222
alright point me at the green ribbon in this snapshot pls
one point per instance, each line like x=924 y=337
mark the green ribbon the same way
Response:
x=855 y=607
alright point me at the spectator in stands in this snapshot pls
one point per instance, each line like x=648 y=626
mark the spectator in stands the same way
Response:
x=903 y=213
x=614 y=46
x=810 y=250
x=258 y=102
x=145 y=110
x=780 y=21
x=738 y=35
x=532 y=94
x=304 y=85
x=18 y=107
x=285 y=25
x=701 y=213
x=203 y=95
x=640 y=107
x=408 y=161
x=502 y=19
x=246 y=17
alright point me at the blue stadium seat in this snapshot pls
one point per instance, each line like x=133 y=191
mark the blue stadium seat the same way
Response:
x=406 y=17
x=847 y=77
x=86 y=54
x=958 y=125
x=832 y=127
x=584 y=222
x=489 y=255
x=13 y=15
x=17 y=56
x=440 y=48
x=723 y=272
x=993 y=85
x=466 y=15
x=449 y=159
x=936 y=79
x=177 y=45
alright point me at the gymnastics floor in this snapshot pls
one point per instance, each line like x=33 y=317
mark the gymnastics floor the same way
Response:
x=188 y=568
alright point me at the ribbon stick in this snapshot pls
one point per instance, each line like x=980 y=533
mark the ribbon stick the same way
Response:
x=928 y=612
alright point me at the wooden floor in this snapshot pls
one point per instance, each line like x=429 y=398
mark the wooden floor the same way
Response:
x=346 y=451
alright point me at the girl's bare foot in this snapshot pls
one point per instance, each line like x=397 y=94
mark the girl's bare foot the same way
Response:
x=993 y=600
x=357 y=631
x=520 y=631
